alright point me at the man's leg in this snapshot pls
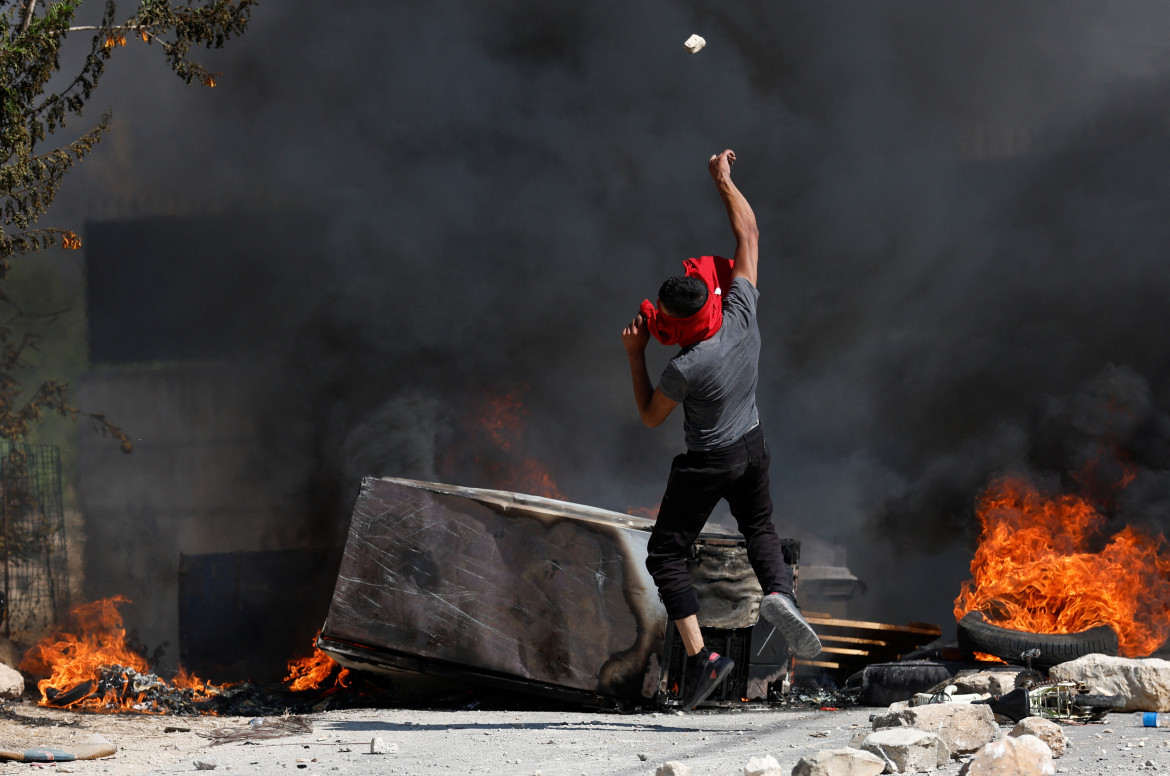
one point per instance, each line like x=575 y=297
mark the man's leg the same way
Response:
x=750 y=499
x=692 y=637
x=691 y=494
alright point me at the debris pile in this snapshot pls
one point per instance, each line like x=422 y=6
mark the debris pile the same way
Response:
x=1002 y=721
x=126 y=688
x=1050 y=564
x=88 y=665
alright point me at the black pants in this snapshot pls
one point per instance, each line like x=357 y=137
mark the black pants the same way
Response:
x=698 y=479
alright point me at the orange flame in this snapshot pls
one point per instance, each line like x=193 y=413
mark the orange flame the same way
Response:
x=983 y=657
x=74 y=663
x=309 y=673
x=502 y=420
x=1036 y=569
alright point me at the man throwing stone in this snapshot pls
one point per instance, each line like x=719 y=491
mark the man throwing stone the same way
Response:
x=711 y=314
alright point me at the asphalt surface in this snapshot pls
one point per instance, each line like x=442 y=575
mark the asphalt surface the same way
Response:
x=502 y=741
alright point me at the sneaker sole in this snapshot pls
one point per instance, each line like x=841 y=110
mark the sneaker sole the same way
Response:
x=796 y=631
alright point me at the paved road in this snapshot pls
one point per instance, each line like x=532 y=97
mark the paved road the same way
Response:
x=553 y=743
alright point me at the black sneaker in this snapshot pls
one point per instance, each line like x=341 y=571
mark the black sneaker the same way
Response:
x=781 y=610
x=705 y=672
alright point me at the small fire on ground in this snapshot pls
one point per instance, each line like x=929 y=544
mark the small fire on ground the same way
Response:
x=1047 y=564
x=88 y=666
x=315 y=672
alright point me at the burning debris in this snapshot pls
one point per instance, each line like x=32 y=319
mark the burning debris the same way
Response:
x=315 y=672
x=1047 y=565
x=89 y=667
x=122 y=688
x=1036 y=570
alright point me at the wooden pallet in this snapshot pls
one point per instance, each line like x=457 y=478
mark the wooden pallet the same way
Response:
x=850 y=645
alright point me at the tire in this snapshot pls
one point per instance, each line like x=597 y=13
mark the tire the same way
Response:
x=976 y=634
x=1110 y=702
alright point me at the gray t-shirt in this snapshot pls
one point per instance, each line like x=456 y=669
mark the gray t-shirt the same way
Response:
x=715 y=380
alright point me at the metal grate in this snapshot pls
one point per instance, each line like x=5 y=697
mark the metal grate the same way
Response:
x=763 y=666
x=733 y=642
x=32 y=534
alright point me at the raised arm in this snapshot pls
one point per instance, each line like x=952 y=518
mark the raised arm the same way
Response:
x=743 y=220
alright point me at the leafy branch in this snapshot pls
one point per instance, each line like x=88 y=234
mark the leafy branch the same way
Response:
x=35 y=104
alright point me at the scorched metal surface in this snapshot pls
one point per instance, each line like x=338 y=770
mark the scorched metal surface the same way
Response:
x=497 y=586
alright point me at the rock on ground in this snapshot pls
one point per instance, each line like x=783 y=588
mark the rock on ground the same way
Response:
x=762 y=766
x=993 y=682
x=11 y=683
x=1143 y=683
x=10 y=653
x=673 y=768
x=1011 y=756
x=963 y=727
x=1046 y=730
x=906 y=750
x=840 y=762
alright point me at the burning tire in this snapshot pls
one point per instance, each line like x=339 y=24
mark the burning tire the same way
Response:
x=978 y=635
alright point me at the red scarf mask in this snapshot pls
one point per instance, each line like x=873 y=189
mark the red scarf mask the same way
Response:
x=715 y=271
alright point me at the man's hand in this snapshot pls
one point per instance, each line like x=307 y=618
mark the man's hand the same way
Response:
x=719 y=165
x=636 y=336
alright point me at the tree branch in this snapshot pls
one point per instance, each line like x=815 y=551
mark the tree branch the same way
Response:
x=28 y=15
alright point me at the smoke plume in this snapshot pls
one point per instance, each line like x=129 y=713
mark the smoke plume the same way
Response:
x=962 y=212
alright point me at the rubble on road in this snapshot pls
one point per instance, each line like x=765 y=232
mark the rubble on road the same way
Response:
x=11 y=683
x=906 y=750
x=993 y=681
x=762 y=766
x=1143 y=684
x=963 y=727
x=840 y=762
x=1012 y=756
x=1046 y=730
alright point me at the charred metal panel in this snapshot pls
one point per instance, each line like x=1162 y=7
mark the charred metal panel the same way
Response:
x=500 y=584
x=539 y=595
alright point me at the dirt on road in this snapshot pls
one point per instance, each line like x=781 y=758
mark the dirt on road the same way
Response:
x=501 y=741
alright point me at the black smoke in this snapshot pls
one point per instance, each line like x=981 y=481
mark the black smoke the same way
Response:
x=962 y=208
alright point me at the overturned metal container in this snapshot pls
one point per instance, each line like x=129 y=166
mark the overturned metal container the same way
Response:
x=531 y=594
